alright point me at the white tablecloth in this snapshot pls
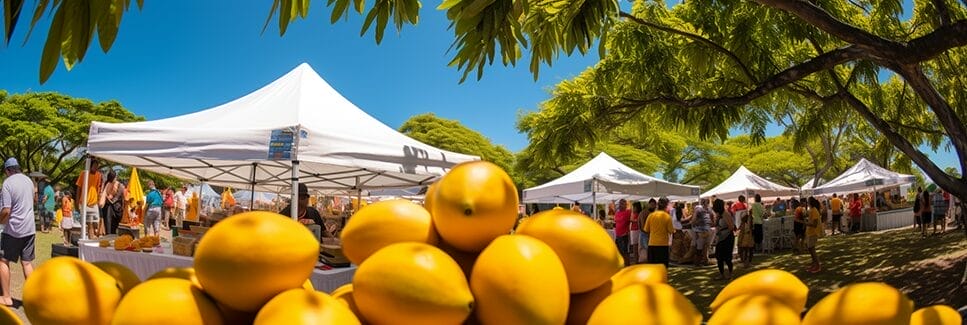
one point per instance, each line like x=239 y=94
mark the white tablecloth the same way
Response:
x=147 y=264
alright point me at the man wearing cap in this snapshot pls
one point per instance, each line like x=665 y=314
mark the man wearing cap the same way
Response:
x=307 y=215
x=17 y=216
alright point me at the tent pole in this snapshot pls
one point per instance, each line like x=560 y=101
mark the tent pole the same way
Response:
x=251 y=203
x=83 y=196
x=594 y=200
x=293 y=203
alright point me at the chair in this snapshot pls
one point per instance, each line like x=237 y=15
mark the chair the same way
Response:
x=788 y=237
x=773 y=235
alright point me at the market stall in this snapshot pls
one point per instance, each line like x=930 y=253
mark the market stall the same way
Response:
x=888 y=208
x=745 y=182
x=146 y=264
x=604 y=179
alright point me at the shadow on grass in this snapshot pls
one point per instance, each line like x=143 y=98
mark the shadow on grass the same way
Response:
x=927 y=269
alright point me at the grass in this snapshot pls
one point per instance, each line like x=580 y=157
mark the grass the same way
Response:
x=928 y=270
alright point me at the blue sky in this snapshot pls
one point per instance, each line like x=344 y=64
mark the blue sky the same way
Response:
x=179 y=56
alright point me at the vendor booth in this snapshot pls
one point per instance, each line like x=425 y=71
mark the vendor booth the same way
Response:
x=604 y=179
x=297 y=129
x=888 y=211
x=745 y=182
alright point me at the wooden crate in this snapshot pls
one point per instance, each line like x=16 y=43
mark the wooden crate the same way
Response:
x=184 y=246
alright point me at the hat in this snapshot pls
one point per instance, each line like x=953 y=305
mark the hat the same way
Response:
x=303 y=190
x=11 y=162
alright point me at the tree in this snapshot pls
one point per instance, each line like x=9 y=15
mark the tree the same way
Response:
x=453 y=136
x=45 y=131
x=712 y=66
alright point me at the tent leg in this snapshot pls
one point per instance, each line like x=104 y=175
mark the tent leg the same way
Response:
x=294 y=202
x=251 y=203
x=83 y=196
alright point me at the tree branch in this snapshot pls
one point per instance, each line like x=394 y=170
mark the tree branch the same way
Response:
x=943 y=11
x=938 y=41
x=819 y=63
x=820 y=18
x=694 y=37
x=948 y=119
x=936 y=174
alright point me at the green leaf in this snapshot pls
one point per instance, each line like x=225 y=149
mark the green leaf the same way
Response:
x=11 y=13
x=360 y=5
x=51 y=53
x=109 y=22
x=140 y=4
x=370 y=17
x=381 y=21
x=338 y=10
x=285 y=16
x=38 y=12
x=275 y=6
x=447 y=4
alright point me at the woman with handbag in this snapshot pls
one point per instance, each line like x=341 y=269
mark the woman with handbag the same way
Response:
x=724 y=238
x=112 y=201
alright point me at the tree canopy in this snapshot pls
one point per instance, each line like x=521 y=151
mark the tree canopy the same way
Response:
x=45 y=131
x=453 y=136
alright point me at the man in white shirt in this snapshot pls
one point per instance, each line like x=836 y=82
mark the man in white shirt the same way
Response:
x=17 y=216
x=181 y=205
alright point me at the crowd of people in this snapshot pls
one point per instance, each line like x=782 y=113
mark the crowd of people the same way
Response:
x=660 y=231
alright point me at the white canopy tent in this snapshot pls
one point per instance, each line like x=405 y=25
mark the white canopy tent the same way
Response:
x=603 y=179
x=296 y=129
x=808 y=186
x=745 y=182
x=864 y=176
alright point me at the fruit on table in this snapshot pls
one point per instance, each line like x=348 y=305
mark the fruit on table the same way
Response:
x=187 y=273
x=646 y=304
x=775 y=283
x=62 y=277
x=344 y=295
x=519 y=280
x=936 y=315
x=385 y=222
x=583 y=304
x=754 y=310
x=589 y=255
x=246 y=259
x=862 y=303
x=167 y=301
x=126 y=278
x=298 y=306
x=7 y=316
x=474 y=203
x=412 y=283
x=123 y=242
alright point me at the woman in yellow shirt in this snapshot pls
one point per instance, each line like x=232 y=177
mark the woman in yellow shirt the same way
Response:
x=814 y=228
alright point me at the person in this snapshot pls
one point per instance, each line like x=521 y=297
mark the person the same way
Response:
x=92 y=211
x=622 y=220
x=700 y=223
x=779 y=208
x=67 y=221
x=48 y=201
x=643 y=237
x=758 y=232
x=153 y=203
x=799 y=225
x=926 y=211
x=168 y=208
x=576 y=207
x=746 y=239
x=916 y=210
x=113 y=203
x=679 y=246
x=17 y=216
x=181 y=205
x=659 y=227
x=855 y=213
x=814 y=227
x=601 y=217
x=306 y=215
x=635 y=231
x=939 y=206
x=724 y=237
x=836 y=205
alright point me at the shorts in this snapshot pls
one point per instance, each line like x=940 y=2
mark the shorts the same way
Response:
x=939 y=218
x=926 y=218
x=758 y=233
x=93 y=214
x=152 y=220
x=66 y=223
x=634 y=237
x=811 y=241
x=837 y=219
x=16 y=249
x=658 y=255
x=643 y=239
